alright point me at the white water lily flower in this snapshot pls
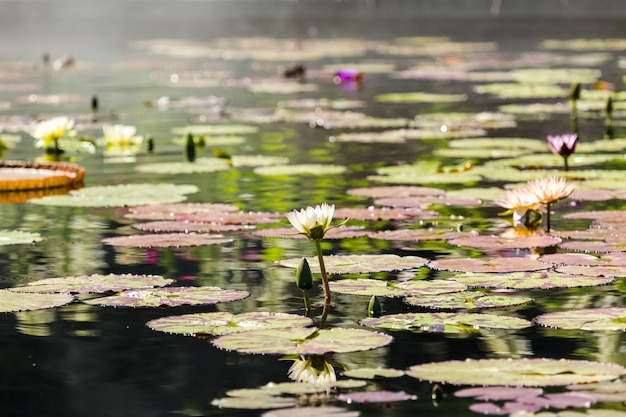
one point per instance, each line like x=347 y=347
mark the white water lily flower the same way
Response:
x=49 y=131
x=550 y=190
x=313 y=222
x=314 y=370
x=122 y=140
x=518 y=201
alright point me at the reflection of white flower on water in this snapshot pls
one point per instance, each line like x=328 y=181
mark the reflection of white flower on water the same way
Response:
x=122 y=140
x=313 y=369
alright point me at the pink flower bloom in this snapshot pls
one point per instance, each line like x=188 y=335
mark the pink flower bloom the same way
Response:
x=518 y=201
x=563 y=145
x=550 y=190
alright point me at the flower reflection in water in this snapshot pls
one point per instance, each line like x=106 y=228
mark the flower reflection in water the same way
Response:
x=314 y=369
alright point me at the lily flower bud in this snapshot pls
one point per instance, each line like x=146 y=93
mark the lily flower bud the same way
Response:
x=304 y=277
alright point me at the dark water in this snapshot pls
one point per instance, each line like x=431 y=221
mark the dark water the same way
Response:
x=80 y=360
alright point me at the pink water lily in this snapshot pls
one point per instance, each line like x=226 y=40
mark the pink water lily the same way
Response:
x=563 y=145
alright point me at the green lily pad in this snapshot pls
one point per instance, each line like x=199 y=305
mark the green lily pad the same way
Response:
x=302 y=341
x=488 y=265
x=535 y=161
x=488 y=153
x=484 y=194
x=445 y=322
x=537 y=372
x=417 y=235
x=420 y=97
x=166 y=240
x=369 y=287
x=555 y=75
x=371 y=373
x=215 y=129
x=200 y=165
x=359 y=264
x=513 y=143
x=375 y=397
x=302 y=169
x=462 y=121
x=466 y=300
x=529 y=280
x=501 y=243
x=383 y=213
x=259 y=402
x=522 y=91
x=599 y=273
x=169 y=297
x=182 y=226
x=94 y=283
x=282 y=86
x=397 y=191
x=12 y=301
x=341 y=232
x=390 y=136
x=257 y=160
x=120 y=195
x=177 y=211
x=220 y=323
x=417 y=178
x=596 y=319
x=426 y=201
x=17 y=237
x=312 y=411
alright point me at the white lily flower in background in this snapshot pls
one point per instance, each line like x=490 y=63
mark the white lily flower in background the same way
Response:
x=49 y=131
x=313 y=222
x=121 y=140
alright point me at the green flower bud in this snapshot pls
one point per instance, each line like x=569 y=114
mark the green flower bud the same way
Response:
x=608 y=107
x=304 y=277
x=190 y=148
x=574 y=91
x=374 y=309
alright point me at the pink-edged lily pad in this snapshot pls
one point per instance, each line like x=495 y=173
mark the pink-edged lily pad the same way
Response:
x=445 y=322
x=360 y=264
x=13 y=301
x=382 y=214
x=371 y=287
x=596 y=215
x=603 y=319
x=302 y=341
x=537 y=372
x=176 y=211
x=572 y=258
x=183 y=226
x=365 y=397
x=500 y=242
x=341 y=232
x=594 y=246
x=322 y=411
x=466 y=300
x=372 y=373
x=167 y=240
x=595 y=233
x=220 y=323
x=498 y=393
x=598 y=272
x=94 y=283
x=488 y=265
x=395 y=191
x=530 y=280
x=426 y=201
x=417 y=235
x=169 y=297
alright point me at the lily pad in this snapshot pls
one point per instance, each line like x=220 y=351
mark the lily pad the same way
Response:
x=601 y=273
x=593 y=246
x=388 y=136
x=341 y=232
x=466 y=300
x=522 y=90
x=303 y=169
x=371 y=373
x=397 y=191
x=502 y=243
x=220 y=323
x=302 y=341
x=17 y=237
x=254 y=402
x=322 y=411
x=176 y=211
x=445 y=322
x=512 y=143
x=539 y=372
x=200 y=165
x=167 y=240
x=94 y=283
x=420 y=97
x=12 y=301
x=169 y=297
x=365 y=397
x=488 y=265
x=595 y=319
x=215 y=129
x=359 y=264
x=369 y=287
x=426 y=201
x=181 y=226
x=417 y=235
x=530 y=280
x=383 y=213
x=120 y=195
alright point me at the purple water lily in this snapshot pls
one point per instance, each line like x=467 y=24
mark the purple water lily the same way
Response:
x=563 y=145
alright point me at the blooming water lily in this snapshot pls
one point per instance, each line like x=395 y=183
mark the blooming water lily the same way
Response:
x=313 y=370
x=48 y=133
x=122 y=140
x=563 y=145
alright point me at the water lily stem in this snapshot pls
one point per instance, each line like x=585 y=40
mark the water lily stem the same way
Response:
x=307 y=301
x=565 y=163
x=548 y=217
x=320 y=258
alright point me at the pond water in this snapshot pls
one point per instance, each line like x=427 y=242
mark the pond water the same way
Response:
x=80 y=359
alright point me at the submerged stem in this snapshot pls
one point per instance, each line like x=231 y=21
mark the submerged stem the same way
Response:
x=548 y=217
x=320 y=258
x=307 y=302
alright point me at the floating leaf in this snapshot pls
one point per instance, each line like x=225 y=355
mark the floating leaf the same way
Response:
x=522 y=91
x=17 y=237
x=358 y=264
x=600 y=273
x=501 y=243
x=420 y=178
x=12 y=301
x=539 y=372
x=371 y=287
x=200 y=165
x=120 y=195
x=220 y=323
x=420 y=97
x=303 y=169
x=176 y=211
x=529 y=280
x=365 y=397
x=511 y=143
x=94 y=283
x=341 y=232
x=445 y=322
x=593 y=246
x=488 y=265
x=596 y=319
x=165 y=226
x=213 y=140
x=166 y=240
x=215 y=129
x=371 y=373
x=383 y=214
x=302 y=341
x=398 y=191
x=258 y=160
x=387 y=136
x=254 y=402
x=322 y=411
x=417 y=235
x=466 y=300
x=498 y=393
x=169 y=297
x=426 y=201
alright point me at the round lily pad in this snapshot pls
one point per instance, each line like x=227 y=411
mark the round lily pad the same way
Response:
x=341 y=232
x=303 y=169
x=359 y=264
x=120 y=195
x=200 y=165
x=501 y=242
x=16 y=237
x=600 y=273
x=537 y=372
x=445 y=322
x=167 y=240
x=13 y=301
x=528 y=280
x=420 y=97
x=394 y=191
x=375 y=397
x=220 y=323
x=418 y=288
x=371 y=373
x=596 y=319
x=177 y=211
x=466 y=300
x=417 y=235
x=488 y=265
x=94 y=283
x=215 y=129
x=383 y=213
x=259 y=402
x=302 y=341
x=593 y=246
x=426 y=201
x=164 y=226
x=169 y=297
x=322 y=411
